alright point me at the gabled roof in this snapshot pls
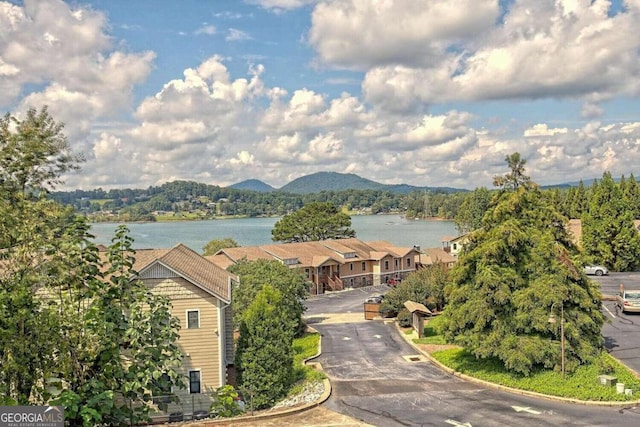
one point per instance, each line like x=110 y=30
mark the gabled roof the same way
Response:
x=191 y=266
x=413 y=307
x=431 y=256
x=397 y=251
x=313 y=254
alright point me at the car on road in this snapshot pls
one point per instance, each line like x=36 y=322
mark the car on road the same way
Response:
x=597 y=270
x=628 y=301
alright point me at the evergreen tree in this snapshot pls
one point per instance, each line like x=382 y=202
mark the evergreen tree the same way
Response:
x=632 y=196
x=515 y=178
x=315 y=221
x=514 y=272
x=254 y=275
x=608 y=234
x=264 y=357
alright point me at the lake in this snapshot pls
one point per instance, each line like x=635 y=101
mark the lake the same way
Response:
x=257 y=231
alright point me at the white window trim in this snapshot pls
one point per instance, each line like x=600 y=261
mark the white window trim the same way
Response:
x=186 y=316
x=189 y=378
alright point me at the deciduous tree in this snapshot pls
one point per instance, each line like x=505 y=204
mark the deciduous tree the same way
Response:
x=425 y=286
x=215 y=245
x=472 y=209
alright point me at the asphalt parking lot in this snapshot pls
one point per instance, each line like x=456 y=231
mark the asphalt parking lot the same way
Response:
x=622 y=330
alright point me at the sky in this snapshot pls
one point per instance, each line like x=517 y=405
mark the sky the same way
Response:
x=421 y=92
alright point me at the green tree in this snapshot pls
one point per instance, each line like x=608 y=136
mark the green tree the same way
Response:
x=264 y=357
x=123 y=344
x=516 y=177
x=315 y=221
x=472 y=209
x=632 y=196
x=425 y=286
x=33 y=155
x=512 y=274
x=254 y=275
x=608 y=234
x=64 y=324
x=35 y=152
x=215 y=245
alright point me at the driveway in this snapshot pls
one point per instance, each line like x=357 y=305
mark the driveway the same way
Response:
x=380 y=379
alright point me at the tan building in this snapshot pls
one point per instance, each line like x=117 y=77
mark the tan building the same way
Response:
x=200 y=294
x=453 y=245
x=332 y=264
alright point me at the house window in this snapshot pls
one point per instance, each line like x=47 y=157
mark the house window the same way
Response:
x=455 y=246
x=364 y=266
x=408 y=262
x=350 y=266
x=306 y=272
x=194 y=382
x=193 y=319
x=386 y=265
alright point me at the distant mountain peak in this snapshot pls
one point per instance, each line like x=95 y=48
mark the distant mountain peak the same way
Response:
x=334 y=181
x=253 y=185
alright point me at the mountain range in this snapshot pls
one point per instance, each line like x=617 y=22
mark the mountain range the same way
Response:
x=334 y=181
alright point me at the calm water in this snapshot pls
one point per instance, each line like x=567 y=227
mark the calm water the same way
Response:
x=257 y=231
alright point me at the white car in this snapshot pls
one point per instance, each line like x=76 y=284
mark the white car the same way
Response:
x=628 y=301
x=597 y=270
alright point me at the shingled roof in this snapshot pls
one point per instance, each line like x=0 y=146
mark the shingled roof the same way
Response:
x=312 y=254
x=190 y=265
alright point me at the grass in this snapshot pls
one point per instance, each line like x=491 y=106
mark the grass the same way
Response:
x=304 y=347
x=431 y=334
x=581 y=384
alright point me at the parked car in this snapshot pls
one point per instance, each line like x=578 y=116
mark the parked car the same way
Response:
x=628 y=301
x=597 y=270
x=393 y=282
x=375 y=299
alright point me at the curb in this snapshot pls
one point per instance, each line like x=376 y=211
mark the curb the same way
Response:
x=488 y=384
x=277 y=412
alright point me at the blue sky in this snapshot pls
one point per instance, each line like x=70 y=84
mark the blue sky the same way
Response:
x=424 y=92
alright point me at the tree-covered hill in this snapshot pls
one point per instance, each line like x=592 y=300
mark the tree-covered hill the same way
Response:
x=334 y=181
x=253 y=185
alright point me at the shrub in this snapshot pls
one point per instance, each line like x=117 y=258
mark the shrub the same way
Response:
x=227 y=402
x=404 y=318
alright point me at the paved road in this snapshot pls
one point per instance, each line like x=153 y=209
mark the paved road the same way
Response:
x=373 y=381
x=348 y=301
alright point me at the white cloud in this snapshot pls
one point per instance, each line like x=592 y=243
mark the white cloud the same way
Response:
x=541 y=129
x=218 y=125
x=234 y=35
x=67 y=54
x=281 y=5
x=541 y=49
x=364 y=33
x=206 y=29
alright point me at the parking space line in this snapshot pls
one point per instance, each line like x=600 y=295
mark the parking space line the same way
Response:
x=609 y=311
